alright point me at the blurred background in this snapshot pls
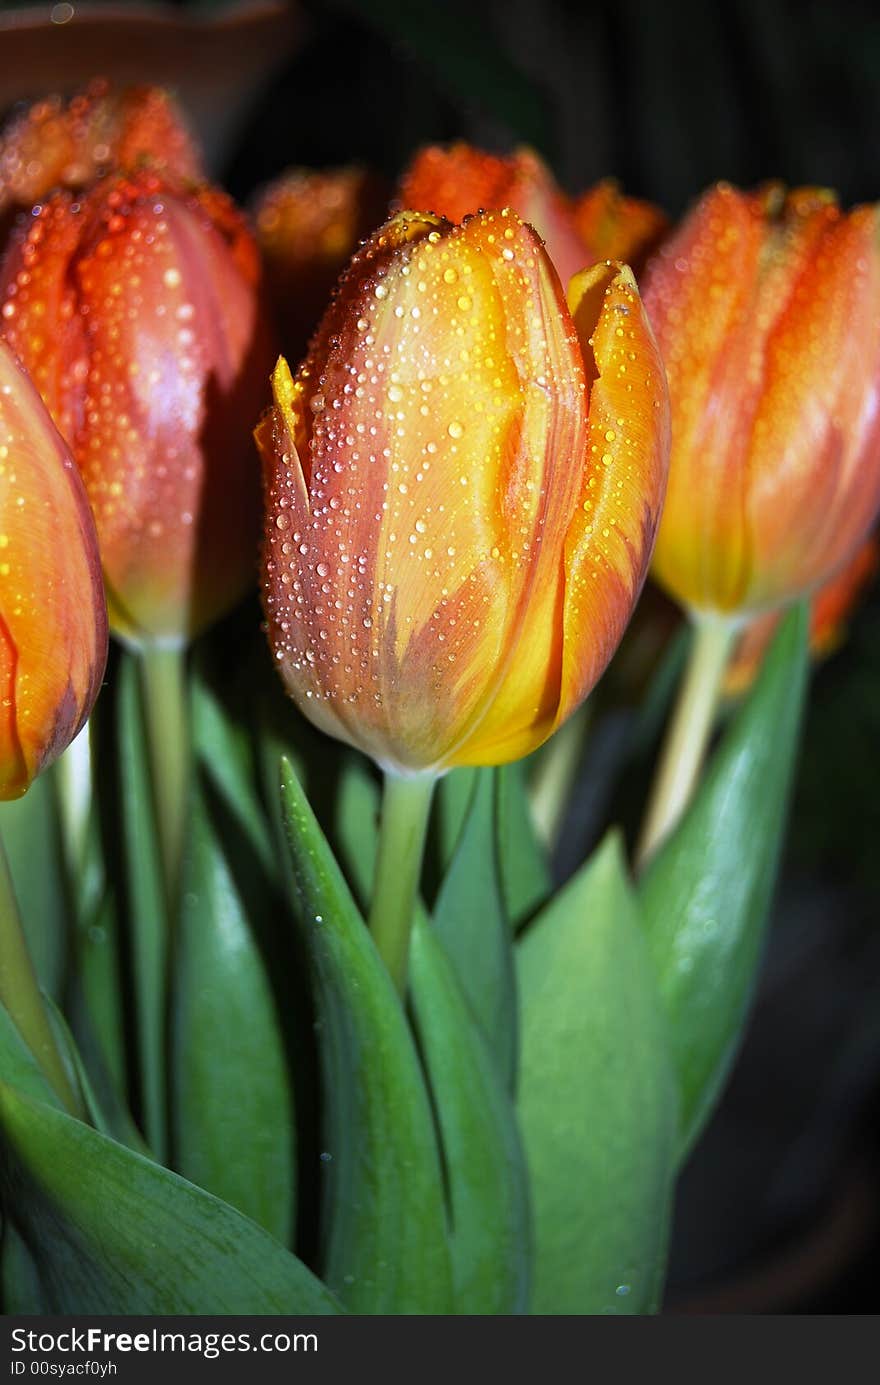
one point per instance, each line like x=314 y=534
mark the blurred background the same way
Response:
x=779 y=1207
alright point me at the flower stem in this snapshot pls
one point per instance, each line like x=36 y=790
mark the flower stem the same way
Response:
x=20 y=993
x=73 y=788
x=688 y=734
x=163 y=672
x=406 y=804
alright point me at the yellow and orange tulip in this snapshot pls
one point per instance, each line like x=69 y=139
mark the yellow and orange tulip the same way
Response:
x=71 y=144
x=766 y=308
x=463 y=481
x=458 y=180
x=53 y=620
x=137 y=310
x=308 y=225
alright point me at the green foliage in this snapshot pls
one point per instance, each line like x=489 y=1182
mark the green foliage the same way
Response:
x=383 y=1219
x=705 y=895
x=490 y=1237
x=597 y=1098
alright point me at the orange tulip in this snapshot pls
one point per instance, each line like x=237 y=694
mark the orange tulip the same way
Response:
x=454 y=182
x=767 y=313
x=463 y=481
x=615 y=227
x=308 y=225
x=136 y=310
x=72 y=144
x=830 y=612
x=53 y=620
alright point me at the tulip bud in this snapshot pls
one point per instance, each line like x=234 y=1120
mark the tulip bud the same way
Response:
x=308 y=225
x=56 y=144
x=830 y=612
x=463 y=481
x=615 y=227
x=53 y=620
x=136 y=310
x=767 y=313
x=457 y=181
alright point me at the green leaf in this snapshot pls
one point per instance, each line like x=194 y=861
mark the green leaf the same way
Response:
x=452 y=800
x=470 y=922
x=597 y=1098
x=20 y=1277
x=18 y=1066
x=233 y=1116
x=29 y=827
x=225 y=752
x=490 y=1241
x=383 y=1218
x=146 y=901
x=705 y=895
x=525 y=871
x=115 y=1233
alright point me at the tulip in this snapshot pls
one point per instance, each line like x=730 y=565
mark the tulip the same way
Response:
x=308 y=225
x=53 y=619
x=767 y=313
x=71 y=144
x=830 y=612
x=462 y=484
x=615 y=227
x=456 y=181
x=136 y=310
x=462 y=481
x=53 y=647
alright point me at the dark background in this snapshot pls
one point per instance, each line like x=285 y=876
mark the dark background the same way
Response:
x=779 y=1207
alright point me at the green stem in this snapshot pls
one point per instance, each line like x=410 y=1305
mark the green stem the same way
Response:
x=163 y=672
x=555 y=775
x=406 y=804
x=20 y=993
x=73 y=785
x=688 y=735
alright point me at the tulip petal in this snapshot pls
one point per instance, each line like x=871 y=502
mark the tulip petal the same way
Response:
x=53 y=623
x=611 y=536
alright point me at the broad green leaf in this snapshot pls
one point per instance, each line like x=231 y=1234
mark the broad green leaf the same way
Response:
x=525 y=871
x=233 y=1116
x=383 y=1218
x=490 y=1240
x=597 y=1098
x=705 y=895
x=29 y=827
x=147 y=906
x=470 y=922
x=116 y=1233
